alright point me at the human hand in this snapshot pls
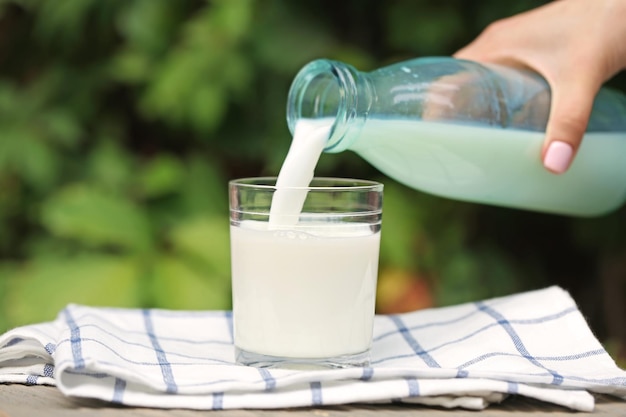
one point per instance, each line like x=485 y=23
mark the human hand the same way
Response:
x=576 y=45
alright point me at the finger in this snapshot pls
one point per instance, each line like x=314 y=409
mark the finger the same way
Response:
x=478 y=50
x=569 y=114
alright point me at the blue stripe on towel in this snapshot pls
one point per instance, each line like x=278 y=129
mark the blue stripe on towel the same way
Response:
x=316 y=393
x=50 y=348
x=166 y=368
x=75 y=340
x=367 y=374
x=48 y=370
x=270 y=381
x=414 y=387
x=218 y=401
x=517 y=340
x=118 y=391
x=413 y=343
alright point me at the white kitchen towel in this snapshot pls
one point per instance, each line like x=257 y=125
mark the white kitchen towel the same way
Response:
x=535 y=344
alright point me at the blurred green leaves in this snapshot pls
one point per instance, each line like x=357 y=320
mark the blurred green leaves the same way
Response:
x=200 y=274
x=424 y=25
x=32 y=129
x=39 y=290
x=193 y=82
x=162 y=175
x=97 y=219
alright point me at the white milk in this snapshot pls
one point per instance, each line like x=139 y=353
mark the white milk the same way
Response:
x=297 y=170
x=296 y=294
x=303 y=295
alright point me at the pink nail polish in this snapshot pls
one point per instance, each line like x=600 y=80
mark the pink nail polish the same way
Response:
x=558 y=157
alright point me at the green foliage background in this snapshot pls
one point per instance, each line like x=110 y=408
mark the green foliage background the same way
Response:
x=121 y=122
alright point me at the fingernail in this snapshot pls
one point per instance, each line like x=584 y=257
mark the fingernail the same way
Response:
x=558 y=157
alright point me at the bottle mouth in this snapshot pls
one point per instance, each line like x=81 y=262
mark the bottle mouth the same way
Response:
x=324 y=90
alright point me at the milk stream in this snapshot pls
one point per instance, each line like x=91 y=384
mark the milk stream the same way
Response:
x=297 y=170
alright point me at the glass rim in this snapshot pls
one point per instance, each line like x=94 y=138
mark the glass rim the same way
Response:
x=317 y=184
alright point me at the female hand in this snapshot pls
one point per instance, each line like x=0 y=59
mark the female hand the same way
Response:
x=576 y=45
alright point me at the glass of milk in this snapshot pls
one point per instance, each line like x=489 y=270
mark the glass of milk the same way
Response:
x=304 y=277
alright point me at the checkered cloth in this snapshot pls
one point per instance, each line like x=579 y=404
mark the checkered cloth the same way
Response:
x=535 y=344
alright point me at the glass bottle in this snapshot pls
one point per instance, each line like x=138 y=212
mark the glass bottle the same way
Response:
x=464 y=130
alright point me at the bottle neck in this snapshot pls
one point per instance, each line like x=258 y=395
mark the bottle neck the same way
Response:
x=325 y=89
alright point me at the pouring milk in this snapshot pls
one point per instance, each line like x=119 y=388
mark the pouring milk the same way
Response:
x=287 y=299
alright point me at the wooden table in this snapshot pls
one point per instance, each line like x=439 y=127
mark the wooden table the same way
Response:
x=34 y=401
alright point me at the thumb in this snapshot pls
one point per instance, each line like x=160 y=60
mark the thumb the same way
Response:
x=569 y=114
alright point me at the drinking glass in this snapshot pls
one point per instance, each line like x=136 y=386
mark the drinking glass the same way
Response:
x=304 y=271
